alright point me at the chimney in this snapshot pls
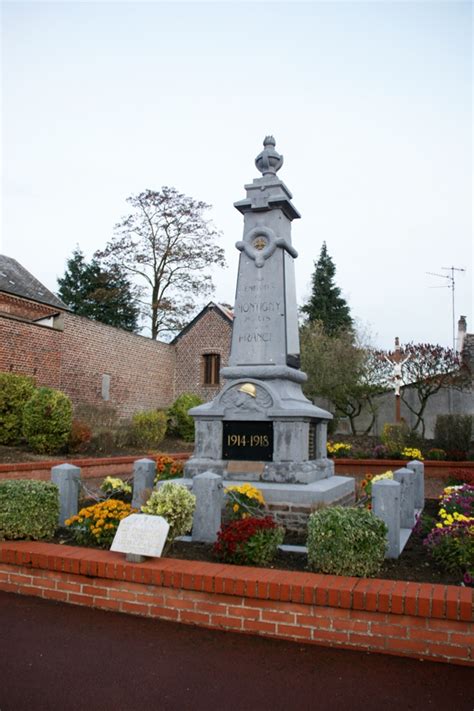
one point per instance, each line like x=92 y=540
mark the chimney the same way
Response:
x=462 y=328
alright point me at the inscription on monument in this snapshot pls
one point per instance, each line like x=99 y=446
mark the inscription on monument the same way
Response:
x=250 y=441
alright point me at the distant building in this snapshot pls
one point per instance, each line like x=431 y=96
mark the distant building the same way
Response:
x=94 y=363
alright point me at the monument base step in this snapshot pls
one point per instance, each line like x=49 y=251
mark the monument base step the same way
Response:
x=306 y=472
x=326 y=491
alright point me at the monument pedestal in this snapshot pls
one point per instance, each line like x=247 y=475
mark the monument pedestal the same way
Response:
x=261 y=427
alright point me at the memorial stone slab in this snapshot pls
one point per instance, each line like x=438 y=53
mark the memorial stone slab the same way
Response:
x=141 y=535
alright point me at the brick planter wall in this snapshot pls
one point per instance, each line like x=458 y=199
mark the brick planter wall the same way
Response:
x=435 y=472
x=90 y=468
x=423 y=621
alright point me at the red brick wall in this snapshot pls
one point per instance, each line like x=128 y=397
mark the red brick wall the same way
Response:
x=386 y=616
x=30 y=349
x=75 y=359
x=210 y=334
x=141 y=370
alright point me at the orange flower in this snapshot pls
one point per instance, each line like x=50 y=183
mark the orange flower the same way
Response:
x=364 y=483
x=369 y=477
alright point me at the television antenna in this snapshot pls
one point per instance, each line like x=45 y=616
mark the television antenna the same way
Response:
x=451 y=286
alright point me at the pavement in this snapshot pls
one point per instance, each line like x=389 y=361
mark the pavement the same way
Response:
x=58 y=657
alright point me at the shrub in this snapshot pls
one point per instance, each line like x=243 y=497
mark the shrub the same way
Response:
x=168 y=468
x=380 y=451
x=395 y=437
x=15 y=391
x=346 y=541
x=436 y=454
x=249 y=541
x=453 y=434
x=244 y=501
x=47 y=419
x=97 y=525
x=116 y=488
x=149 y=428
x=103 y=442
x=176 y=504
x=456 y=499
x=180 y=423
x=79 y=437
x=102 y=416
x=451 y=541
x=28 y=509
x=452 y=547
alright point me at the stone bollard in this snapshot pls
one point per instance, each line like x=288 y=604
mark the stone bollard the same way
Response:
x=386 y=506
x=419 y=469
x=67 y=478
x=144 y=471
x=208 y=489
x=406 y=477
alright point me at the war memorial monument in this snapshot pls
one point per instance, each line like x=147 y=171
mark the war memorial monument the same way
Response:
x=261 y=427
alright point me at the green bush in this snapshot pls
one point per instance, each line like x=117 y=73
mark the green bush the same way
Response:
x=176 y=504
x=398 y=436
x=28 y=509
x=149 y=428
x=180 y=423
x=47 y=420
x=346 y=541
x=453 y=434
x=15 y=391
x=249 y=541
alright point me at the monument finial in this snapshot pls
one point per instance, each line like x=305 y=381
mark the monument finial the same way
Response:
x=269 y=161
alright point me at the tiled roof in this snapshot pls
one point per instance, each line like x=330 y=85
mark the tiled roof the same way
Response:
x=15 y=279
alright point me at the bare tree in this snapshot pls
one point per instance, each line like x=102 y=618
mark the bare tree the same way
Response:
x=428 y=369
x=168 y=244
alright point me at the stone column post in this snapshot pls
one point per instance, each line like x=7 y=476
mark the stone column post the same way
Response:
x=386 y=506
x=144 y=471
x=419 y=469
x=208 y=489
x=406 y=477
x=67 y=478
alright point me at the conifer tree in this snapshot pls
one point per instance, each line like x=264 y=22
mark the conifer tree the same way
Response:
x=326 y=303
x=101 y=294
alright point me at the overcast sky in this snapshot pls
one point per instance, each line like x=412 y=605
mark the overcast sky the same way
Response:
x=369 y=102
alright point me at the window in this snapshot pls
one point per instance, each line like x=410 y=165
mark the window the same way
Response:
x=212 y=366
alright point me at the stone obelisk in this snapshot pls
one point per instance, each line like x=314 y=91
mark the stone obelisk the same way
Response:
x=261 y=427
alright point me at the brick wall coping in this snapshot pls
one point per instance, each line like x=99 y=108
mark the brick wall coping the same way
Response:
x=443 y=602
x=433 y=469
x=95 y=462
x=430 y=466
x=429 y=463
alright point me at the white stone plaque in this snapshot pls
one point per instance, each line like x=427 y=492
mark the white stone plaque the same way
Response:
x=141 y=534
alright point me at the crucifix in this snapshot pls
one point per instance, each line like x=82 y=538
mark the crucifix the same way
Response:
x=395 y=359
